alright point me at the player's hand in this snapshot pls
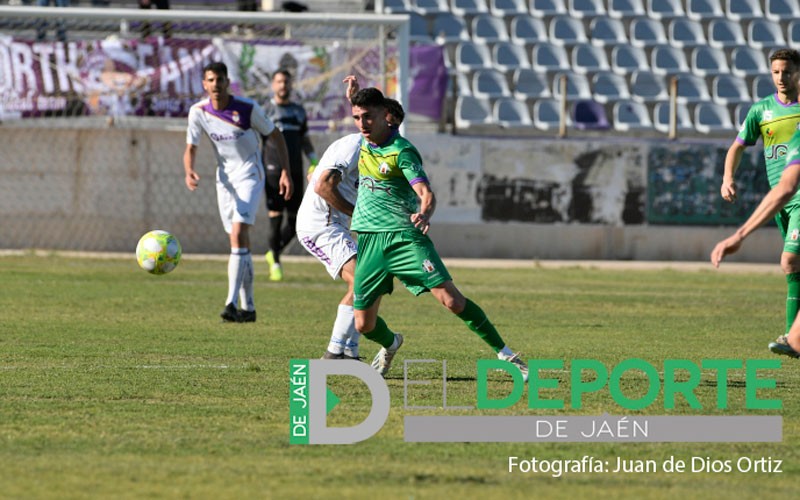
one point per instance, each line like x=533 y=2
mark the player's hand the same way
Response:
x=285 y=186
x=192 y=180
x=725 y=247
x=728 y=191
x=421 y=222
x=352 y=86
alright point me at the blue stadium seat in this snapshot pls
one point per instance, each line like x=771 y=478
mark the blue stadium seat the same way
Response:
x=528 y=85
x=661 y=117
x=762 y=87
x=580 y=9
x=708 y=60
x=645 y=32
x=510 y=113
x=528 y=30
x=448 y=28
x=746 y=61
x=723 y=33
x=419 y=31
x=544 y=8
x=609 y=87
x=577 y=86
x=429 y=7
x=763 y=34
x=781 y=10
x=622 y=9
x=589 y=59
x=506 y=8
x=710 y=118
x=464 y=8
x=470 y=56
x=489 y=83
x=626 y=59
x=704 y=10
x=397 y=6
x=488 y=29
x=729 y=89
x=664 y=9
x=684 y=32
x=692 y=89
x=508 y=56
x=739 y=10
x=646 y=86
x=630 y=116
x=739 y=114
x=549 y=57
x=547 y=114
x=566 y=30
x=668 y=60
x=472 y=111
x=606 y=32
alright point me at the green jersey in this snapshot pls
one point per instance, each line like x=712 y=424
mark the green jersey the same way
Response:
x=775 y=123
x=386 y=174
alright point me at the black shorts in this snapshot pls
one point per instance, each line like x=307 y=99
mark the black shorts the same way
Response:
x=275 y=201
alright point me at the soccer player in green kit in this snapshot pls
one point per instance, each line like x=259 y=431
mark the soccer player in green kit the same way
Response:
x=392 y=219
x=775 y=119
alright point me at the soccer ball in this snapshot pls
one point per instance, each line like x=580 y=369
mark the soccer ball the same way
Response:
x=158 y=252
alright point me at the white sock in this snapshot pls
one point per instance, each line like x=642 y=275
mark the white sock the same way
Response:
x=235 y=273
x=340 y=336
x=505 y=352
x=351 y=346
x=246 y=290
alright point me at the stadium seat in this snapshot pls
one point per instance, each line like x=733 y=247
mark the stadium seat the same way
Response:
x=419 y=30
x=464 y=8
x=723 y=33
x=729 y=89
x=448 y=28
x=565 y=30
x=661 y=116
x=488 y=29
x=580 y=9
x=739 y=10
x=793 y=33
x=631 y=115
x=490 y=84
x=545 y=8
x=430 y=7
x=668 y=60
x=762 y=87
x=471 y=111
x=549 y=57
x=528 y=84
x=507 y=8
x=664 y=9
x=710 y=117
x=622 y=9
x=510 y=113
x=527 y=30
x=684 y=32
x=508 y=56
x=609 y=87
x=589 y=59
x=645 y=32
x=589 y=115
x=746 y=61
x=577 y=86
x=463 y=86
x=704 y=10
x=646 y=86
x=607 y=32
x=397 y=6
x=763 y=34
x=470 y=56
x=692 y=89
x=781 y=10
x=709 y=61
x=626 y=59
x=547 y=114
x=739 y=114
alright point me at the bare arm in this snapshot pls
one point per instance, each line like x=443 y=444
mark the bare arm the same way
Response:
x=285 y=186
x=190 y=176
x=732 y=160
x=427 y=205
x=772 y=203
x=327 y=187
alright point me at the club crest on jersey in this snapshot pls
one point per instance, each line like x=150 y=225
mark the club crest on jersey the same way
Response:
x=235 y=117
x=795 y=234
x=427 y=265
x=384 y=168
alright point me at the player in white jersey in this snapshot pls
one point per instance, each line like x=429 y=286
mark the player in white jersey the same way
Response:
x=323 y=223
x=235 y=126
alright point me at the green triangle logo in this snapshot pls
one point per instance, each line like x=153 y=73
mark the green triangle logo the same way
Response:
x=331 y=400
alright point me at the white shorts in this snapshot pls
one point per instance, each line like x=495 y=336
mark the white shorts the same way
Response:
x=239 y=201
x=332 y=245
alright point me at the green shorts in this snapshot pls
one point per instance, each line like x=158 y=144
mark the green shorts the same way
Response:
x=407 y=255
x=788 y=221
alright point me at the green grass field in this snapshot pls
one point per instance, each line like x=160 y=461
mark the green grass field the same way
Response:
x=116 y=383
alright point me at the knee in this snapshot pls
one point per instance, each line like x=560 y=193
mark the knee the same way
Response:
x=790 y=263
x=364 y=324
x=454 y=303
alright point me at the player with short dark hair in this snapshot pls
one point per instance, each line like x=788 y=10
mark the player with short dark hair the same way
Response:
x=236 y=126
x=774 y=119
